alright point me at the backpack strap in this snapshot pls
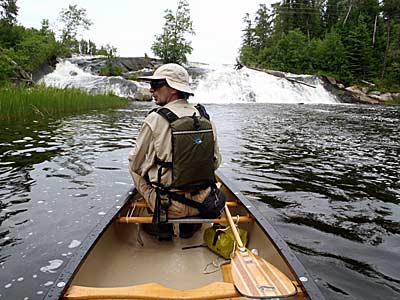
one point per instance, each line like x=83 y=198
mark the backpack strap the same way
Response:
x=153 y=110
x=167 y=114
x=172 y=117
x=182 y=199
x=202 y=111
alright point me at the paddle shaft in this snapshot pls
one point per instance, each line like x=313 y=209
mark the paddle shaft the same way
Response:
x=233 y=227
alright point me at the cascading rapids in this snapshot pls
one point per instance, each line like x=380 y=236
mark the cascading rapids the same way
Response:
x=216 y=84
x=224 y=84
x=69 y=75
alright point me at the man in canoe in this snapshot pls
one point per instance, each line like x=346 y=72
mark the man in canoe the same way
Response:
x=175 y=156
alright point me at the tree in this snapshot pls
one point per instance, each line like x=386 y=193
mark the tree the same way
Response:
x=391 y=10
x=262 y=29
x=358 y=51
x=331 y=13
x=171 y=45
x=9 y=11
x=92 y=48
x=248 y=32
x=247 y=51
x=74 y=19
x=329 y=53
x=290 y=53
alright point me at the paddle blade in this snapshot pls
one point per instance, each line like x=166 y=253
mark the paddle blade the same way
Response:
x=256 y=278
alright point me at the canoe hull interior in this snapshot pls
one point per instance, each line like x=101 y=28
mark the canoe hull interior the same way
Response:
x=120 y=260
x=125 y=256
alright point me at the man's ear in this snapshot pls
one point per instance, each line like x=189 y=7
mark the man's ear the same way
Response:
x=174 y=91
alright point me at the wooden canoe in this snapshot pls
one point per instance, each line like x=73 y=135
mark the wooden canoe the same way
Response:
x=120 y=261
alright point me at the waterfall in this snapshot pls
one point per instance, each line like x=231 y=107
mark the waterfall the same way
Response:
x=224 y=84
x=215 y=84
x=69 y=75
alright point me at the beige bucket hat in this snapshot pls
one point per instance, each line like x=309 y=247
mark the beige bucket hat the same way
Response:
x=176 y=76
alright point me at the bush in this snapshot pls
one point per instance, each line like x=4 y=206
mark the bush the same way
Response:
x=110 y=70
x=7 y=69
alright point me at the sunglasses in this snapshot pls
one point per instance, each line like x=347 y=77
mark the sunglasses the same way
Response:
x=155 y=85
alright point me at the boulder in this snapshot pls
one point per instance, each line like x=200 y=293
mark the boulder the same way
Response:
x=45 y=68
x=142 y=94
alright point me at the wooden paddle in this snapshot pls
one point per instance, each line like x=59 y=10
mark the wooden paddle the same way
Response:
x=253 y=276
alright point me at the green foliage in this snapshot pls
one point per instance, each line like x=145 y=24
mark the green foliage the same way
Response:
x=393 y=69
x=10 y=35
x=35 y=48
x=248 y=55
x=248 y=33
x=289 y=54
x=18 y=103
x=352 y=40
x=73 y=19
x=8 y=11
x=329 y=53
x=110 y=70
x=171 y=45
x=7 y=69
x=358 y=51
x=28 y=48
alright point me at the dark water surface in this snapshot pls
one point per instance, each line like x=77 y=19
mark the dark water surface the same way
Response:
x=327 y=177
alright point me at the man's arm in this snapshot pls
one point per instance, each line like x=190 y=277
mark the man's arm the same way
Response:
x=217 y=154
x=141 y=158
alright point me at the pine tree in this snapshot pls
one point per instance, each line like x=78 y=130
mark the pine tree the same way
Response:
x=391 y=11
x=358 y=51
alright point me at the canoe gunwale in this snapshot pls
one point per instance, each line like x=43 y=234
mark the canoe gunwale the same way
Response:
x=72 y=266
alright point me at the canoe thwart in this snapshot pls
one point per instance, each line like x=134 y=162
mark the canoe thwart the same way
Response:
x=215 y=290
x=141 y=204
x=136 y=220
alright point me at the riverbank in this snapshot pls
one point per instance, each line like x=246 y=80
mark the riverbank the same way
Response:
x=21 y=102
x=366 y=94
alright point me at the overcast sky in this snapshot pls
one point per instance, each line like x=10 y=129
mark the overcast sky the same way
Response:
x=131 y=25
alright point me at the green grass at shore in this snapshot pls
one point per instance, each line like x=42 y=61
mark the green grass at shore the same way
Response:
x=17 y=103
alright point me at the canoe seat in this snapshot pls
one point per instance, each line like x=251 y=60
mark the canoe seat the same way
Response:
x=139 y=220
x=215 y=290
x=148 y=219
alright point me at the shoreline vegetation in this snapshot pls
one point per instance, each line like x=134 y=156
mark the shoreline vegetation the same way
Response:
x=22 y=103
x=357 y=43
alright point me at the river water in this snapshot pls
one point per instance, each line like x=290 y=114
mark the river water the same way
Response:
x=326 y=176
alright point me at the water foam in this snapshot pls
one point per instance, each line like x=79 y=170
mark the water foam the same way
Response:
x=224 y=84
x=69 y=75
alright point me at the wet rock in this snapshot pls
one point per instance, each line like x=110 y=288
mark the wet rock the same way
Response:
x=142 y=94
x=44 y=69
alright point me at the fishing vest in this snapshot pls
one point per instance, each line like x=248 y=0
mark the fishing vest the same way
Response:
x=192 y=140
x=192 y=163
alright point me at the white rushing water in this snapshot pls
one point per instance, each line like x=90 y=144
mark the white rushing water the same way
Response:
x=69 y=75
x=219 y=84
x=224 y=84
